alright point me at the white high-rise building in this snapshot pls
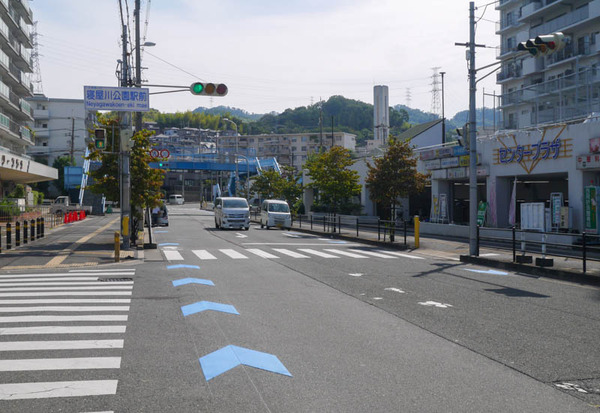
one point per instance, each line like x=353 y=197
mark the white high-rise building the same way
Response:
x=560 y=86
x=16 y=167
x=381 y=114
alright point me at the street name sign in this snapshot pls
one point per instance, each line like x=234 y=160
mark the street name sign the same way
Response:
x=122 y=99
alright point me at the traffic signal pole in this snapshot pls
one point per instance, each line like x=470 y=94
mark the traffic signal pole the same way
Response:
x=125 y=177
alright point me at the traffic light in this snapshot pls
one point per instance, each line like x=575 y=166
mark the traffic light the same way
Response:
x=100 y=138
x=544 y=45
x=209 y=89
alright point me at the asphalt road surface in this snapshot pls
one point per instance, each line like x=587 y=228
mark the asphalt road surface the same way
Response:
x=281 y=321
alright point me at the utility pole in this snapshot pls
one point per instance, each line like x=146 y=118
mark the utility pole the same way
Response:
x=443 y=114
x=473 y=250
x=73 y=141
x=138 y=60
x=125 y=177
x=321 y=125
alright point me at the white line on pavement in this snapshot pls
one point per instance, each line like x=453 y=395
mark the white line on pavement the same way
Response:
x=68 y=301
x=346 y=253
x=374 y=254
x=399 y=254
x=61 y=318
x=290 y=253
x=59 y=345
x=172 y=255
x=76 y=363
x=317 y=253
x=204 y=255
x=63 y=308
x=91 y=288
x=261 y=253
x=233 y=254
x=12 y=331
x=19 y=391
x=62 y=274
x=58 y=293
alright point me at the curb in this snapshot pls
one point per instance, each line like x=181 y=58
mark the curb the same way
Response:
x=532 y=270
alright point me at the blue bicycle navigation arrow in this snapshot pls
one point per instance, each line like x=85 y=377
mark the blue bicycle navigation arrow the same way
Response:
x=207 y=305
x=228 y=357
x=185 y=281
x=492 y=272
x=172 y=267
x=165 y=244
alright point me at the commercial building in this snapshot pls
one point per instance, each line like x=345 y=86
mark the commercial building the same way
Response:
x=558 y=87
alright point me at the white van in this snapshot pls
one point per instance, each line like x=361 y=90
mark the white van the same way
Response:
x=232 y=212
x=275 y=213
x=176 y=199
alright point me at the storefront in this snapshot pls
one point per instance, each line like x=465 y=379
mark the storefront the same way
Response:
x=550 y=165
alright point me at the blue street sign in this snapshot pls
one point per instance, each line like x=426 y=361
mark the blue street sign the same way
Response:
x=207 y=305
x=185 y=281
x=121 y=99
x=228 y=357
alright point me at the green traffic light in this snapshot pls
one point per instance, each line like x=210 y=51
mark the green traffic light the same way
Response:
x=198 y=87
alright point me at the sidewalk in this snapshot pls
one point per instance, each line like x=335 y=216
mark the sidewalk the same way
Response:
x=89 y=242
x=568 y=269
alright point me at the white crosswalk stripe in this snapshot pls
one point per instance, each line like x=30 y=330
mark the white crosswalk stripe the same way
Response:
x=172 y=255
x=346 y=253
x=234 y=254
x=31 y=307
x=204 y=255
x=318 y=253
x=399 y=254
x=261 y=253
x=290 y=253
x=373 y=253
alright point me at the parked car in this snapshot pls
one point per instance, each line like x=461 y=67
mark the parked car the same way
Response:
x=176 y=199
x=231 y=212
x=275 y=213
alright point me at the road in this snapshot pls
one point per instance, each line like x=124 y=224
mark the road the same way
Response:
x=282 y=321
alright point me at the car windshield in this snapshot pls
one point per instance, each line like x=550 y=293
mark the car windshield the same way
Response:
x=279 y=208
x=235 y=203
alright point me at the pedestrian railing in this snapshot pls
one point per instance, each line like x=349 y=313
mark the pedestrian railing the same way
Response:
x=582 y=246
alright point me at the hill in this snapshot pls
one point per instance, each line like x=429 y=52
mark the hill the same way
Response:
x=226 y=110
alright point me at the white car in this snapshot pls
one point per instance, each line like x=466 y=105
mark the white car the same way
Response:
x=176 y=200
x=231 y=212
x=275 y=213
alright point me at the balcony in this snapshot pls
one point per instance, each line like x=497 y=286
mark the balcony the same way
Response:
x=530 y=9
x=507 y=23
x=509 y=73
x=41 y=114
x=22 y=7
x=505 y=3
x=561 y=22
x=42 y=133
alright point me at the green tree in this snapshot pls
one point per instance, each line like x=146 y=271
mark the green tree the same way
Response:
x=60 y=163
x=394 y=175
x=334 y=182
x=145 y=181
x=273 y=185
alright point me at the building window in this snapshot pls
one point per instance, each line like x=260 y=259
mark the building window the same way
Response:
x=251 y=140
x=303 y=149
x=304 y=138
x=294 y=139
x=44 y=125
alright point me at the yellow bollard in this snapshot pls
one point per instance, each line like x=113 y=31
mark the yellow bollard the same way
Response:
x=117 y=246
x=417 y=225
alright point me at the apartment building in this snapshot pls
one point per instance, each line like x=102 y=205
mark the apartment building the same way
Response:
x=16 y=166
x=561 y=86
x=290 y=149
x=61 y=129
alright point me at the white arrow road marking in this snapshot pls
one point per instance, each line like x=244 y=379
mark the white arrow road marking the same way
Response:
x=570 y=386
x=240 y=235
x=435 y=304
x=397 y=290
x=356 y=274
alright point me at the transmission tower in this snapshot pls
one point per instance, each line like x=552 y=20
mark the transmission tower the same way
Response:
x=436 y=104
x=35 y=59
x=408 y=97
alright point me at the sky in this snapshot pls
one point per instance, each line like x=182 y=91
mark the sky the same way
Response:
x=272 y=54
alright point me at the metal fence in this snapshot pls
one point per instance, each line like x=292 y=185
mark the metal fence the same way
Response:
x=585 y=247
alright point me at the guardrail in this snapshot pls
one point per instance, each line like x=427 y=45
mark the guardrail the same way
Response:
x=387 y=231
x=583 y=246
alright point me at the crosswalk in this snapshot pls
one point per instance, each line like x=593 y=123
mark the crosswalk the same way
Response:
x=175 y=254
x=85 y=314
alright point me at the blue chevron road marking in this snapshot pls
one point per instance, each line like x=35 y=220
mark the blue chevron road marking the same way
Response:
x=185 y=281
x=492 y=272
x=172 y=267
x=228 y=357
x=207 y=305
x=165 y=244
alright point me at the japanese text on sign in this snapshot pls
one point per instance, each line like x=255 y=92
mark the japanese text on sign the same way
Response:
x=535 y=151
x=116 y=98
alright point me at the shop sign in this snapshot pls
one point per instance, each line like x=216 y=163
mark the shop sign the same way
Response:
x=432 y=164
x=425 y=155
x=556 y=203
x=564 y=217
x=449 y=162
x=458 y=173
x=532 y=215
x=483 y=171
x=590 y=201
x=439 y=174
x=464 y=160
x=533 y=152
x=595 y=145
x=589 y=161
x=444 y=152
x=459 y=151
x=481 y=211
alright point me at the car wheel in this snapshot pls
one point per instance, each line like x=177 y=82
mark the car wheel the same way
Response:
x=262 y=225
x=246 y=228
